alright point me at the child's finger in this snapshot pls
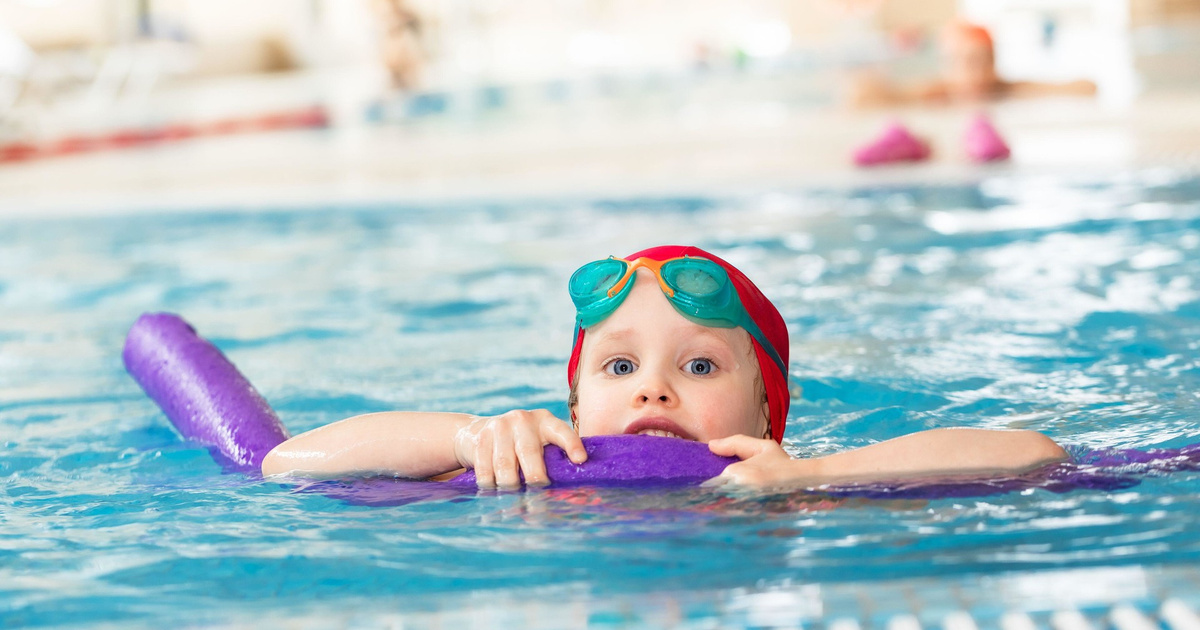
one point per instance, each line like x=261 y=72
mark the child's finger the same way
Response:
x=564 y=437
x=740 y=474
x=484 y=475
x=504 y=460
x=529 y=455
x=740 y=446
x=718 y=482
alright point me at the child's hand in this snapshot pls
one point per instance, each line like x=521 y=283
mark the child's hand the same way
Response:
x=501 y=447
x=764 y=462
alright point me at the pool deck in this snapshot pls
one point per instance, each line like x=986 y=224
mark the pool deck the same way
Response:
x=697 y=148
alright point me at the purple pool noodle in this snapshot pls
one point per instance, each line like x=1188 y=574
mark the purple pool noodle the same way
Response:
x=639 y=460
x=200 y=391
x=631 y=461
x=209 y=401
x=646 y=461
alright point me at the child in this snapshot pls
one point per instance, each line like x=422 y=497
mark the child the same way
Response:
x=671 y=341
x=968 y=76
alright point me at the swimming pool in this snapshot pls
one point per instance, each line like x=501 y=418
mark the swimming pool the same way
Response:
x=1069 y=307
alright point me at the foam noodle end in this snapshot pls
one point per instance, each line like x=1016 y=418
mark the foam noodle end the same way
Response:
x=200 y=391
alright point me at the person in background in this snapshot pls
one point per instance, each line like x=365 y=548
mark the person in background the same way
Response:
x=401 y=45
x=968 y=77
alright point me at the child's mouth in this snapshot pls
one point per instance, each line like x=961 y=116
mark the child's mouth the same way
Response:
x=658 y=426
x=659 y=433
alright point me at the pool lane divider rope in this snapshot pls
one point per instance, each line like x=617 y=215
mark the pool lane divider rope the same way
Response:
x=209 y=401
x=315 y=117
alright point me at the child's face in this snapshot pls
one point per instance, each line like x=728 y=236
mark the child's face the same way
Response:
x=968 y=66
x=648 y=369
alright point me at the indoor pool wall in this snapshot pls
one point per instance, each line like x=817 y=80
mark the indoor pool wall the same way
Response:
x=1068 y=307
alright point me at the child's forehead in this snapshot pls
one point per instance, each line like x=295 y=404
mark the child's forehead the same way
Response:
x=660 y=322
x=646 y=303
x=682 y=330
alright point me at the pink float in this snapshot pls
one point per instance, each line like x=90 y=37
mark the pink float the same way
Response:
x=983 y=143
x=895 y=144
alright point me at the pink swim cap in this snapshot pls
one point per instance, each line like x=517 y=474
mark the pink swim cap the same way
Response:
x=764 y=314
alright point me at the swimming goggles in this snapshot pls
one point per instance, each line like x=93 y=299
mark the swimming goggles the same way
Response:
x=698 y=288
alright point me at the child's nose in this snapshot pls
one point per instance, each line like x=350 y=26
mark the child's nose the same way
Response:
x=654 y=387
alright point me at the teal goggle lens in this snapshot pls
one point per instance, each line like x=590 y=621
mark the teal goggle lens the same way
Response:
x=700 y=289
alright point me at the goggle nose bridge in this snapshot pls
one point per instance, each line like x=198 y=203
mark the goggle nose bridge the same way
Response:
x=655 y=266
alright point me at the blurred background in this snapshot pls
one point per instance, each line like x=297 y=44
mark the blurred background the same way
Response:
x=161 y=102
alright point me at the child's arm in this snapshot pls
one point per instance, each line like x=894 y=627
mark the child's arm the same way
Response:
x=870 y=90
x=935 y=453
x=421 y=445
x=1023 y=89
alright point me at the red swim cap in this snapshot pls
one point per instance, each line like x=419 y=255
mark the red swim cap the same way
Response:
x=970 y=32
x=764 y=314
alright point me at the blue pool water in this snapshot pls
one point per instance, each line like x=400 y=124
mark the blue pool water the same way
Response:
x=1072 y=308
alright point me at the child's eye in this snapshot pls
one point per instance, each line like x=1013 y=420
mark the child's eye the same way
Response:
x=700 y=367
x=620 y=367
